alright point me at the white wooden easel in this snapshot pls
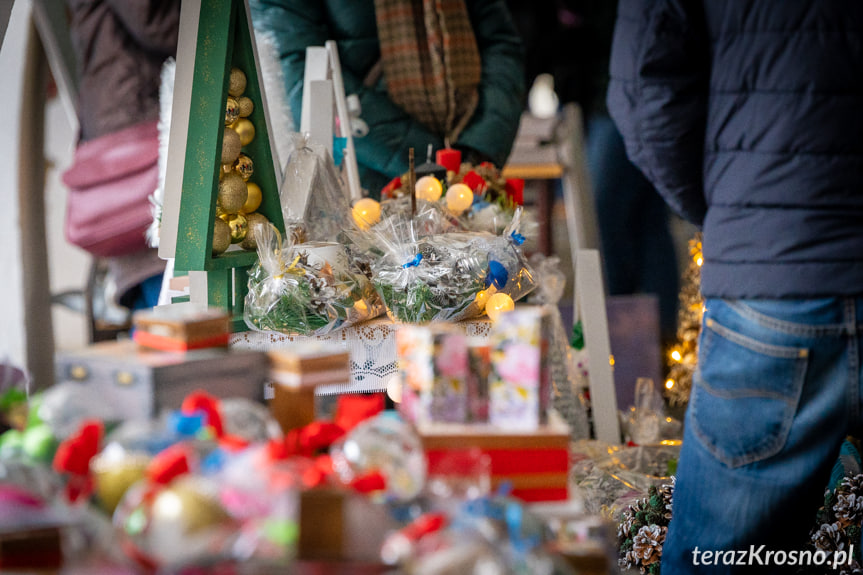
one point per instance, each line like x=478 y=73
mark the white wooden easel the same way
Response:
x=589 y=290
x=323 y=90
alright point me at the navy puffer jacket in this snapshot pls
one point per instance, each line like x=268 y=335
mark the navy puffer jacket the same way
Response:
x=747 y=115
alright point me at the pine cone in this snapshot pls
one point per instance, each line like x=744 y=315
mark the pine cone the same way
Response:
x=628 y=561
x=853 y=485
x=625 y=526
x=848 y=508
x=829 y=537
x=647 y=544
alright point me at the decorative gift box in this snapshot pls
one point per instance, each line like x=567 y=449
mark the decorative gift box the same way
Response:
x=433 y=362
x=294 y=374
x=535 y=462
x=138 y=383
x=520 y=381
x=344 y=528
x=173 y=328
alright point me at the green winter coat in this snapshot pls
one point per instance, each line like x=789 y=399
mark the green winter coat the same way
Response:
x=382 y=154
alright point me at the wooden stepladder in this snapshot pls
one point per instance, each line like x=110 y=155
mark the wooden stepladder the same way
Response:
x=215 y=36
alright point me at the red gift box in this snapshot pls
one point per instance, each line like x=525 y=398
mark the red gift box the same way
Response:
x=536 y=463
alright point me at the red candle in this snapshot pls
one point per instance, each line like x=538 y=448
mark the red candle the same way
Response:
x=515 y=190
x=449 y=159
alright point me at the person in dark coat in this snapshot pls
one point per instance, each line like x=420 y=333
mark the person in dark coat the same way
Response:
x=746 y=116
x=120 y=47
x=490 y=47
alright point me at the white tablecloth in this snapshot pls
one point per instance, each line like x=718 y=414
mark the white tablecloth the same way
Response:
x=372 y=346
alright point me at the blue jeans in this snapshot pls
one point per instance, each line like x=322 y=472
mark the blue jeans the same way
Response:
x=776 y=391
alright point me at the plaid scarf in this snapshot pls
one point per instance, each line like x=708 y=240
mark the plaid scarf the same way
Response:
x=430 y=61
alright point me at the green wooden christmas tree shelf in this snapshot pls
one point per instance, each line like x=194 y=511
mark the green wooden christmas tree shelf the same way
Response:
x=216 y=35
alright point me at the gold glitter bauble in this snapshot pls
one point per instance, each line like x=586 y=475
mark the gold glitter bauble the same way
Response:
x=239 y=227
x=255 y=222
x=231 y=146
x=113 y=478
x=246 y=131
x=253 y=201
x=232 y=193
x=246 y=107
x=244 y=166
x=221 y=236
x=232 y=111
x=237 y=83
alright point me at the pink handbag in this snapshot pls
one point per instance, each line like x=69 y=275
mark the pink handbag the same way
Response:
x=107 y=209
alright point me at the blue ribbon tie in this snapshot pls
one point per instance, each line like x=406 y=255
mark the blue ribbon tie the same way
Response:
x=414 y=262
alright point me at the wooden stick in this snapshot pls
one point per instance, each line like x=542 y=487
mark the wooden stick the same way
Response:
x=412 y=182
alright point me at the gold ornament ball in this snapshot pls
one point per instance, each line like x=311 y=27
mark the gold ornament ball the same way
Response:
x=246 y=107
x=246 y=130
x=237 y=83
x=221 y=236
x=498 y=304
x=428 y=188
x=232 y=111
x=113 y=478
x=255 y=222
x=459 y=197
x=253 y=201
x=239 y=227
x=187 y=502
x=244 y=166
x=232 y=193
x=366 y=213
x=231 y=146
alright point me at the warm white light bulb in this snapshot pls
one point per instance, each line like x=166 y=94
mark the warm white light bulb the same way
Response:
x=428 y=188
x=366 y=212
x=459 y=197
x=498 y=304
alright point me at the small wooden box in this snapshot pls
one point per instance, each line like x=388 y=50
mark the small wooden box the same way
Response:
x=342 y=526
x=137 y=383
x=535 y=462
x=295 y=373
x=174 y=328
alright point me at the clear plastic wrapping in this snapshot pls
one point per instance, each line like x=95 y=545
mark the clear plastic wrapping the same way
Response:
x=444 y=277
x=311 y=288
x=315 y=205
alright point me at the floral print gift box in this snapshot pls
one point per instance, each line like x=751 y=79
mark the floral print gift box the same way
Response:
x=520 y=383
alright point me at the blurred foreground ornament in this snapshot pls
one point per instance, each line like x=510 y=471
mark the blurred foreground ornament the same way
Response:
x=115 y=470
x=387 y=445
x=181 y=524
